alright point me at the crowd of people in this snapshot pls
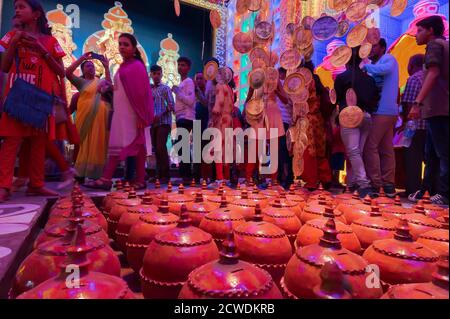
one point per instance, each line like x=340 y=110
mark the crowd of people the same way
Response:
x=112 y=114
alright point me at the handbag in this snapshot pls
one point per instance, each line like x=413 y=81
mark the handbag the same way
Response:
x=27 y=103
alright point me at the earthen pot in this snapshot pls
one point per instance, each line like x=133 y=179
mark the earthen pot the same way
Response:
x=264 y=245
x=43 y=263
x=317 y=210
x=112 y=198
x=432 y=210
x=312 y=232
x=303 y=270
x=156 y=190
x=355 y=212
x=89 y=212
x=198 y=209
x=144 y=231
x=169 y=191
x=321 y=193
x=179 y=199
x=229 y=278
x=67 y=200
x=120 y=208
x=172 y=255
x=285 y=202
x=401 y=260
x=60 y=229
x=295 y=197
x=218 y=222
x=383 y=200
x=270 y=192
x=346 y=195
x=299 y=190
x=347 y=204
x=215 y=198
x=396 y=211
x=131 y=217
x=245 y=206
x=374 y=227
x=91 y=285
x=258 y=197
x=419 y=223
x=284 y=218
x=436 y=289
x=332 y=285
x=437 y=239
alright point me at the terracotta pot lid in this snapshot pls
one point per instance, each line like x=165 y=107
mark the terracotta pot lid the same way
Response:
x=319 y=223
x=376 y=221
x=402 y=246
x=259 y=228
x=277 y=210
x=436 y=235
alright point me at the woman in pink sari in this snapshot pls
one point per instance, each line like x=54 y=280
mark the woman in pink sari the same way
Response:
x=133 y=112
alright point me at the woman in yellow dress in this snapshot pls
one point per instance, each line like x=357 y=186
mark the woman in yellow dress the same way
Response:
x=92 y=116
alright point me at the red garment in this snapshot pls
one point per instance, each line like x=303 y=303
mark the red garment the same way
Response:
x=316 y=170
x=337 y=146
x=250 y=167
x=34 y=162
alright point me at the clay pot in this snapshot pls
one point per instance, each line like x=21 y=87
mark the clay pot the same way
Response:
x=401 y=260
x=355 y=212
x=437 y=239
x=270 y=192
x=158 y=195
x=319 y=191
x=91 y=285
x=383 y=200
x=303 y=270
x=131 y=217
x=316 y=210
x=59 y=230
x=89 y=212
x=179 y=199
x=198 y=209
x=172 y=255
x=229 y=278
x=396 y=211
x=218 y=222
x=436 y=289
x=332 y=285
x=419 y=223
x=67 y=200
x=295 y=197
x=119 y=209
x=346 y=195
x=296 y=207
x=284 y=218
x=264 y=245
x=312 y=232
x=431 y=210
x=347 y=204
x=43 y=263
x=144 y=231
x=215 y=198
x=245 y=206
x=374 y=227
x=258 y=197
x=299 y=190
x=112 y=198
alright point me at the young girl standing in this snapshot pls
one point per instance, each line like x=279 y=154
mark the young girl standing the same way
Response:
x=39 y=63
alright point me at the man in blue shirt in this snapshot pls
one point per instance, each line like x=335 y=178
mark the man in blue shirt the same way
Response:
x=379 y=153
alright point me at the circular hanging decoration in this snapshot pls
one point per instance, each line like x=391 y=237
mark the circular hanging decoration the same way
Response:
x=307 y=75
x=177 y=7
x=242 y=42
x=294 y=84
x=254 y=107
x=343 y=27
x=351 y=117
x=263 y=30
x=333 y=96
x=364 y=50
x=398 y=6
x=256 y=78
x=301 y=97
x=224 y=75
x=324 y=28
x=357 y=36
x=242 y=6
x=339 y=5
x=303 y=38
x=290 y=59
x=341 y=56
x=255 y=5
x=350 y=97
x=373 y=36
x=307 y=22
x=271 y=81
x=356 y=11
x=308 y=52
x=290 y=29
x=210 y=70
x=258 y=64
x=259 y=53
x=215 y=19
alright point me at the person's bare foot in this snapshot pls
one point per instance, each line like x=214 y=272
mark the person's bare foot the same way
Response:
x=4 y=195
x=41 y=191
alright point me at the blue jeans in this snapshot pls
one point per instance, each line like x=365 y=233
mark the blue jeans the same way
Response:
x=437 y=150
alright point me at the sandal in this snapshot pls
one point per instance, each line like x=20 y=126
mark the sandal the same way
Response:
x=100 y=183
